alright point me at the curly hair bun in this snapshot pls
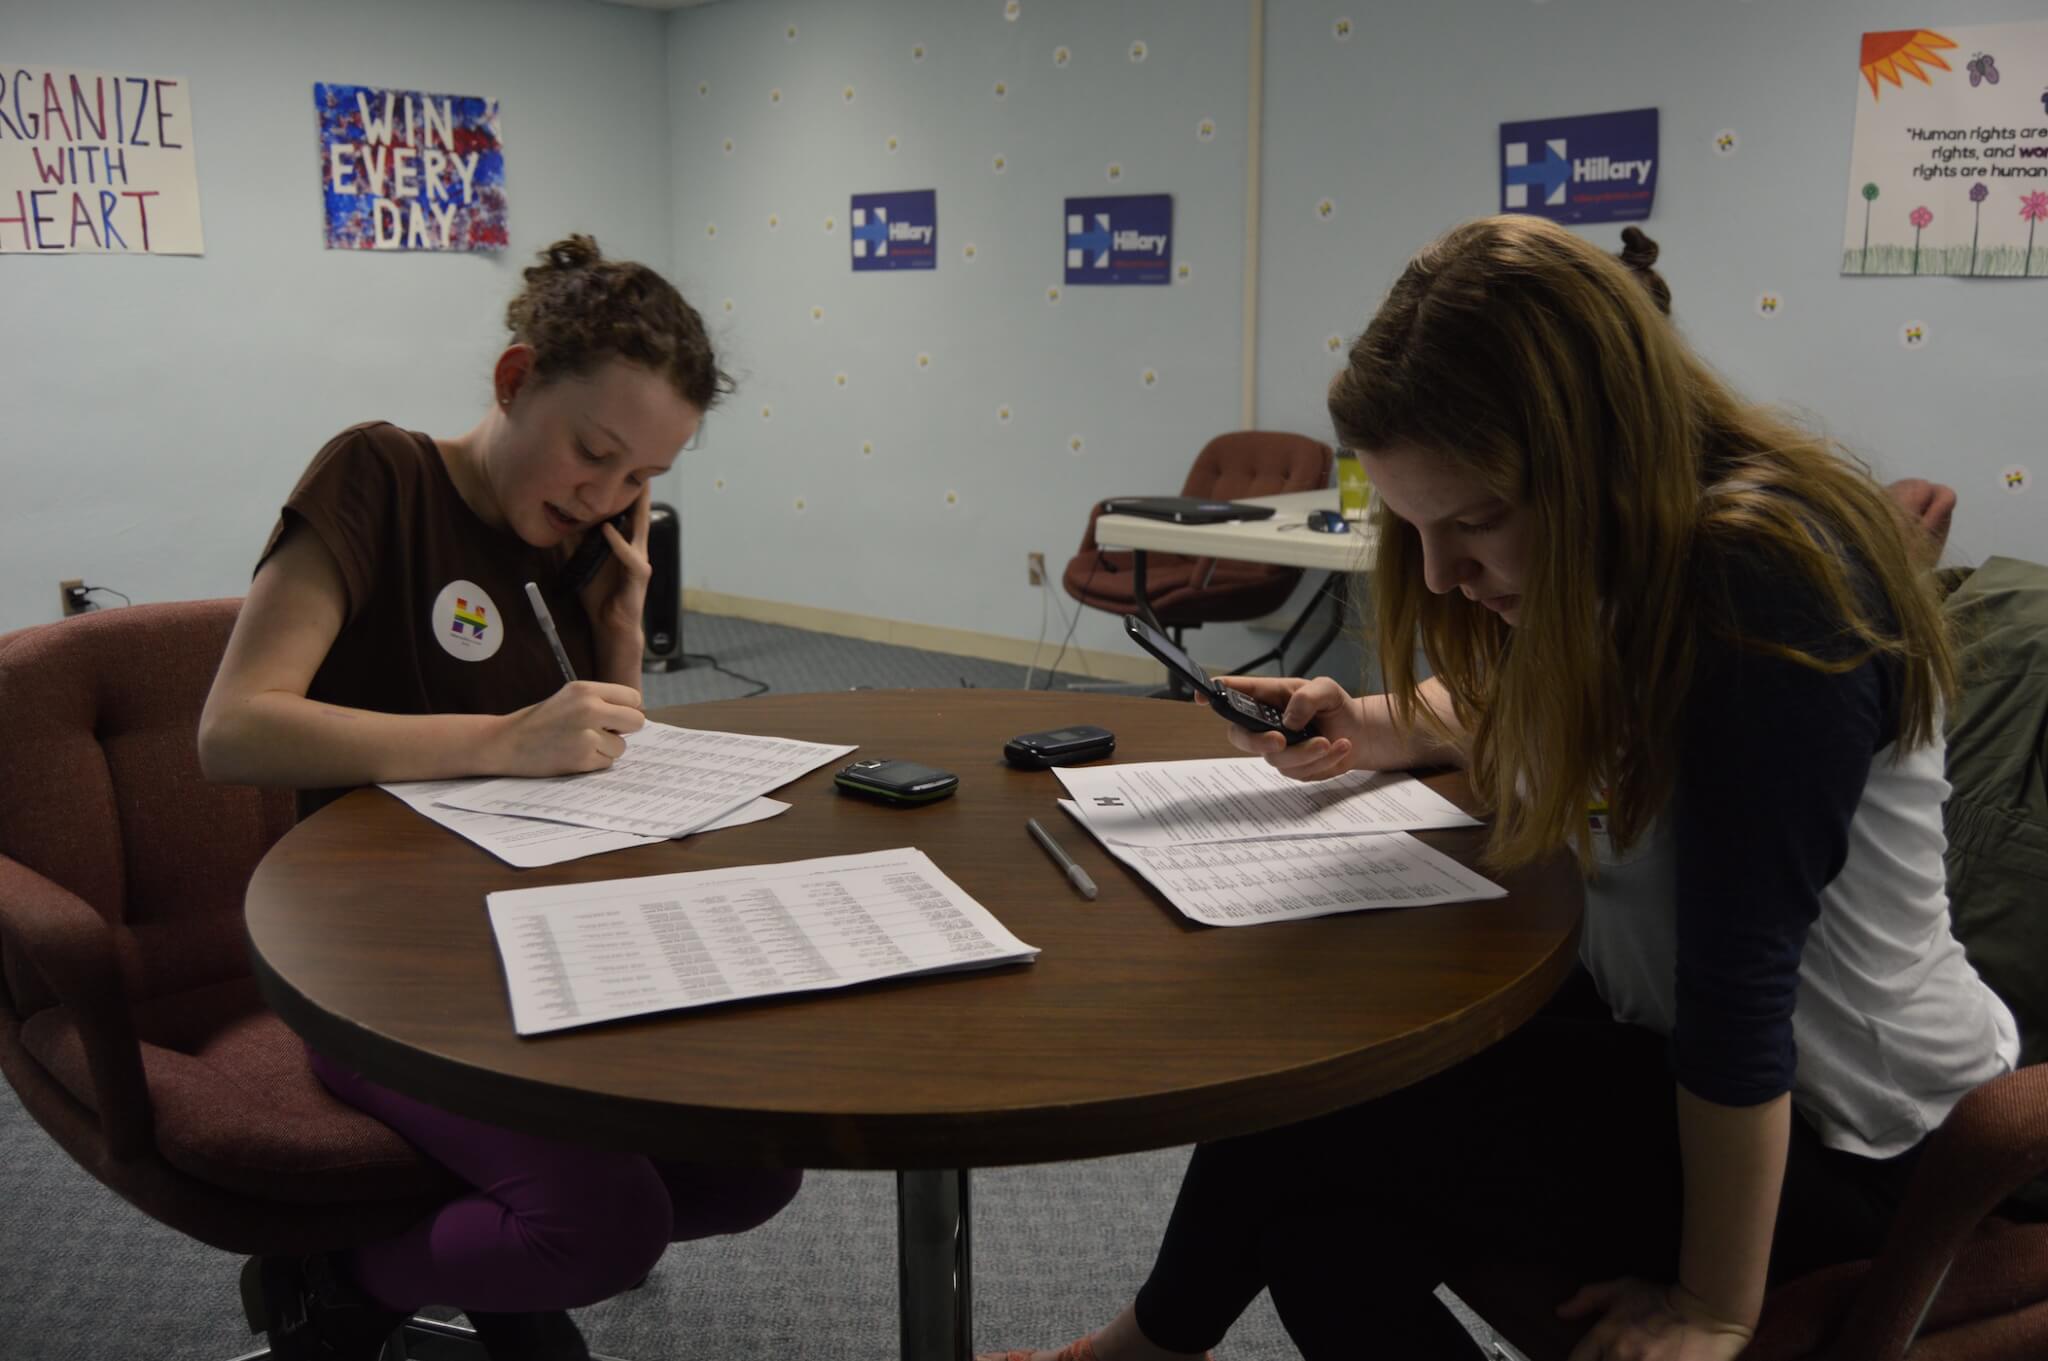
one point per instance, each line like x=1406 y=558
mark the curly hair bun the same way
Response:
x=1639 y=253
x=569 y=253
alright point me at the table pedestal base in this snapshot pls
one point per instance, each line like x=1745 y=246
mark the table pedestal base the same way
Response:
x=935 y=1275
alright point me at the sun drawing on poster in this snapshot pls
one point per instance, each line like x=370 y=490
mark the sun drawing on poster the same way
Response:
x=1886 y=55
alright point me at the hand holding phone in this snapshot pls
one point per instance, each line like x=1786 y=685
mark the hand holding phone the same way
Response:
x=1235 y=705
x=591 y=553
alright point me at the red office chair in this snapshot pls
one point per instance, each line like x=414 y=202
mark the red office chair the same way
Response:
x=129 y=1024
x=1186 y=592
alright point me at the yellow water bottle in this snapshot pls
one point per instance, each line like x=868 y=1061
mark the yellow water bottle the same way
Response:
x=1354 y=491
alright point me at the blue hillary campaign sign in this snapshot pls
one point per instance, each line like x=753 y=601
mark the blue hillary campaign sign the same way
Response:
x=1599 y=167
x=896 y=231
x=1121 y=240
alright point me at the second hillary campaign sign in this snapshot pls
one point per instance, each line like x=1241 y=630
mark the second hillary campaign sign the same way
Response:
x=1599 y=167
x=1127 y=239
x=896 y=231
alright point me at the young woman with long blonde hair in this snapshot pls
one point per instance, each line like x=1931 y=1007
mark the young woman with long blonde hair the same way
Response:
x=1635 y=593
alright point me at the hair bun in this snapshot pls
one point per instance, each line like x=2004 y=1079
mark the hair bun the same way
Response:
x=1638 y=251
x=570 y=253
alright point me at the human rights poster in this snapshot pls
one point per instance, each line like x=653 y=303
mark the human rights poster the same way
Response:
x=1949 y=171
x=96 y=163
x=1596 y=167
x=404 y=170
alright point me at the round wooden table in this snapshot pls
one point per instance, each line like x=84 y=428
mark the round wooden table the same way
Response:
x=1135 y=1029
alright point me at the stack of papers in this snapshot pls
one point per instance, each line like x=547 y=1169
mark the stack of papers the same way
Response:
x=582 y=953
x=670 y=782
x=1232 y=842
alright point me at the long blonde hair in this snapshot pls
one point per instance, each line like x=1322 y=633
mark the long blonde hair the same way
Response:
x=1536 y=363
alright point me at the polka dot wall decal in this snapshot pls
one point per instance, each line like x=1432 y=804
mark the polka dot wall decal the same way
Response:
x=711 y=229
x=817 y=313
x=1334 y=344
x=952 y=498
x=1915 y=335
x=729 y=305
x=728 y=146
x=774 y=221
x=1061 y=56
x=1053 y=294
x=1325 y=209
x=893 y=143
x=1770 y=303
x=1114 y=171
x=846 y=95
x=1726 y=143
x=1341 y=30
x=1002 y=89
x=789 y=33
x=1000 y=164
x=767 y=412
x=968 y=251
x=703 y=88
x=1075 y=444
x=1205 y=131
x=831 y=223
x=799 y=505
x=917 y=51
x=2014 y=479
x=1149 y=378
x=867 y=448
x=1003 y=414
x=1011 y=9
x=1138 y=50
x=718 y=484
x=839 y=380
x=1183 y=271
x=775 y=96
x=924 y=361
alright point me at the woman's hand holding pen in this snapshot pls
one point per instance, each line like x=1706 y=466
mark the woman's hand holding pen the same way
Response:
x=576 y=729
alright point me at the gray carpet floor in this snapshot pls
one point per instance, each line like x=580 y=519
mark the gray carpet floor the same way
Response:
x=1057 y=1249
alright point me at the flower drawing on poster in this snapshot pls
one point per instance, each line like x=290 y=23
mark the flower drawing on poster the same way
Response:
x=1950 y=123
x=406 y=170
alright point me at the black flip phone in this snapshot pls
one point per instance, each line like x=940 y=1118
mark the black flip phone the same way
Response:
x=899 y=782
x=591 y=553
x=1059 y=747
x=1234 y=705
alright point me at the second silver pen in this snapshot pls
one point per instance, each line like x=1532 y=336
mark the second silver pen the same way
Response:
x=1075 y=874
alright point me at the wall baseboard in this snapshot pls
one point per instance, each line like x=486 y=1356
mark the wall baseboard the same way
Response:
x=992 y=647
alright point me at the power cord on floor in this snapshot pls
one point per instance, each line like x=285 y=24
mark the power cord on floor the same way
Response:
x=761 y=687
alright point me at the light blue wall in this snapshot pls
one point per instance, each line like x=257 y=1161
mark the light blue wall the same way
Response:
x=1398 y=127
x=159 y=409
x=876 y=533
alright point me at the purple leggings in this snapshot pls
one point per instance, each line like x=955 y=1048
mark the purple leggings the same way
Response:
x=550 y=1225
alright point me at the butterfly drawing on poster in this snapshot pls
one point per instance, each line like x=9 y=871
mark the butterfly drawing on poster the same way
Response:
x=1983 y=70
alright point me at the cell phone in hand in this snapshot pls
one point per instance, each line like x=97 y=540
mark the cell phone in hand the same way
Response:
x=1234 y=705
x=592 y=552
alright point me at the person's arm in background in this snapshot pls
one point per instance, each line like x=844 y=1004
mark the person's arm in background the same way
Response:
x=260 y=728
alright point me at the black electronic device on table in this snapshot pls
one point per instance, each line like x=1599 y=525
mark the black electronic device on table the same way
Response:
x=1059 y=747
x=903 y=783
x=1234 y=705
x=1185 y=510
x=591 y=553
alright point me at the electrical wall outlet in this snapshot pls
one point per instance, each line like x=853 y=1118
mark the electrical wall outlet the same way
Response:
x=1035 y=566
x=71 y=594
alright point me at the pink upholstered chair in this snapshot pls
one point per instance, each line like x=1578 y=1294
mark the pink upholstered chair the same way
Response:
x=129 y=1024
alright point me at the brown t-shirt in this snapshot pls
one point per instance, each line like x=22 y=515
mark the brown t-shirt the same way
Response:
x=438 y=621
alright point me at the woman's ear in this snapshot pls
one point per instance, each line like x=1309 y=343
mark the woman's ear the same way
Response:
x=512 y=373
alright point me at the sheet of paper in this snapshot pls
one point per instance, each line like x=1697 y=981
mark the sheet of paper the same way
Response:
x=671 y=781
x=1245 y=883
x=1178 y=803
x=575 y=954
x=525 y=843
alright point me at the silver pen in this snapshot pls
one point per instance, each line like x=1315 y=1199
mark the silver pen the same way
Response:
x=1078 y=876
x=547 y=626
